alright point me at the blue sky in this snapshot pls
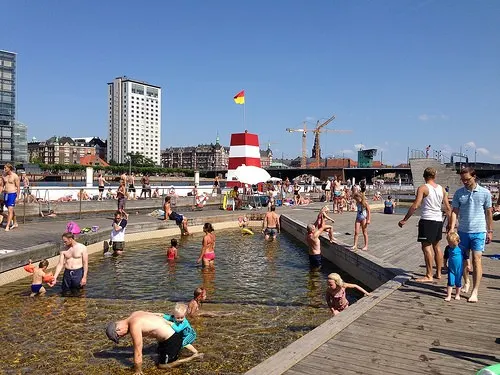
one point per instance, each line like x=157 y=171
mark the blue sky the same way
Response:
x=399 y=73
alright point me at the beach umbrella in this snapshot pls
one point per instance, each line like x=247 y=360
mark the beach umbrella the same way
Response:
x=251 y=175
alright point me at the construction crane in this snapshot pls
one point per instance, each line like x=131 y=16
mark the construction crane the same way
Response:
x=316 y=149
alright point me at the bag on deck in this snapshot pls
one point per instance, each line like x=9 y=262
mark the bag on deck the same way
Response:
x=72 y=227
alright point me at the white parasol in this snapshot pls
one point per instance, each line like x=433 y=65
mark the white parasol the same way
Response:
x=251 y=175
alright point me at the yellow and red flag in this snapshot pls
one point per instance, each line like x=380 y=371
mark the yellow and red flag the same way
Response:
x=239 y=98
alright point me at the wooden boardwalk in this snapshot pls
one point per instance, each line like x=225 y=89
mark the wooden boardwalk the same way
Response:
x=413 y=330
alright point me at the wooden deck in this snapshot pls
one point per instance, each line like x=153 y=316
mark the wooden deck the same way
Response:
x=413 y=330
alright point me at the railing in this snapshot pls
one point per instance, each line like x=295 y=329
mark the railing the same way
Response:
x=74 y=202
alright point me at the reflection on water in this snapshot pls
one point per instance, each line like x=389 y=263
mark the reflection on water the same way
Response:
x=276 y=300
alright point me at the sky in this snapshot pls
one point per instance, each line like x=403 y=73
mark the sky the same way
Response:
x=399 y=74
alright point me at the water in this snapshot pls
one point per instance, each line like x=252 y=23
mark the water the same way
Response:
x=268 y=286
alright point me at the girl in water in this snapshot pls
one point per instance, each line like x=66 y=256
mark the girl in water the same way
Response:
x=362 y=219
x=207 y=246
x=335 y=293
x=321 y=220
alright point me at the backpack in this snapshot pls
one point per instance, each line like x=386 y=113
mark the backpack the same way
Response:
x=72 y=227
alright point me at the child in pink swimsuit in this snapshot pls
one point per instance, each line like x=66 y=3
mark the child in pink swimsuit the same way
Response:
x=207 y=246
x=335 y=293
x=172 y=250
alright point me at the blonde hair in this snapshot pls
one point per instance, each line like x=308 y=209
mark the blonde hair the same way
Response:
x=362 y=198
x=453 y=236
x=336 y=277
x=180 y=309
x=325 y=208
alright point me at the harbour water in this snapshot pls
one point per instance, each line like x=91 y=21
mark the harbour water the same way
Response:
x=267 y=285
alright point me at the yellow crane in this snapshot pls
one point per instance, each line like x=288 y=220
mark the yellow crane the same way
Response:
x=316 y=149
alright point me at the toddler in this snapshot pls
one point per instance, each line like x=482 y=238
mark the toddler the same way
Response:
x=39 y=275
x=456 y=258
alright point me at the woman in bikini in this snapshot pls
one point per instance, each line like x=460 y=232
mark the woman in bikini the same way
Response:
x=207 y=246
x=362 y=219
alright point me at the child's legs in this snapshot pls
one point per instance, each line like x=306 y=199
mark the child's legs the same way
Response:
x=357 y=225
x=206 y=263
x=191 y=348
x=42 y=290
x=364 y=227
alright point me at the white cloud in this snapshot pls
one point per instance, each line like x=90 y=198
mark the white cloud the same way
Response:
x=482 y=151
x=496 y=157
x=359 y=146
x=470 y=144
x=427 y=117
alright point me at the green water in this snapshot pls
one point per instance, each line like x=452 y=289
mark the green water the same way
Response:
x=268 y=286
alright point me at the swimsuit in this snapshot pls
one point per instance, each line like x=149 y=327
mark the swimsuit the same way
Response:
x=101 y=189
x=131 y=188
x=10 y=199
x=168 y=350
x=209 y=256
x=72 y=279
x=315 y=260
x=337 y=193
x=388 y=207
x=455 y=258
x=187 y=332
x=361 y=214
x=35 y=288
x=271 y=232
x=339 y=301
x=170 y=254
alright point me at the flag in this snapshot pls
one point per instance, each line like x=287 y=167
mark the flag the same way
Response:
x=239 y=98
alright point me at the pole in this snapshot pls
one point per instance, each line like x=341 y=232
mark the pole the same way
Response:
x=244 y=116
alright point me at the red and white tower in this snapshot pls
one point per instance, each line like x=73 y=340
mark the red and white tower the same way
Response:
x=243 y=149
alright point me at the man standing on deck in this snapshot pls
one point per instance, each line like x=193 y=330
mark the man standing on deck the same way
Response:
x=12 y=190
x=430 y=226
x=473 y=207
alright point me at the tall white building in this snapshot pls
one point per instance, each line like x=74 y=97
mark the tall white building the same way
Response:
x=134 y=120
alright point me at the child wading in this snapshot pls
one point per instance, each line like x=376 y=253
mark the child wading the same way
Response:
x=335 y=293
x=458 y=259
x=39 y=275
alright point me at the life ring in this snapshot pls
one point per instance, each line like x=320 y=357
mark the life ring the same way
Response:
x=171 y=191
x=246 y=231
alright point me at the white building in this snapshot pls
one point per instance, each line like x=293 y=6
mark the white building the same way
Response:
x=134 y=120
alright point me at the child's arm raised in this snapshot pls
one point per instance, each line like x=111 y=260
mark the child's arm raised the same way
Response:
x=356 y=286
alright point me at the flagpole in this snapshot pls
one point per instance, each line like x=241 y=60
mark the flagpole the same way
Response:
x=244 y=117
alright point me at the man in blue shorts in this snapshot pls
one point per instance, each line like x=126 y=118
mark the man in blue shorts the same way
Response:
x=472 y=206
x=12 y=190
x=313 y=241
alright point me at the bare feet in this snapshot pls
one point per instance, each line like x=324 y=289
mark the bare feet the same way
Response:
x=365 y=248
x=448 y=298
x=466 y=287
x=425 y=279
x=14 y=226
x=437 y=276
x=473 y=298
x=355 y=247
x=457 y=297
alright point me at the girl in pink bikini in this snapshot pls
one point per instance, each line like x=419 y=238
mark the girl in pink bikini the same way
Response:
x=207 y=246
x=335 y=293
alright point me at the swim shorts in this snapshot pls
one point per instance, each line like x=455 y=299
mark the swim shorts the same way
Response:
x=118 y=245
x=430 y=231
x=10 y=199
x=168 y=350
x=177 y=217
x=121 y=203
x=131 y=188
x=271 y=232
x=337 y=194
x=472 y=241
x=315 y=260
x=72 y=279
x=35 y=288
x=101 y=189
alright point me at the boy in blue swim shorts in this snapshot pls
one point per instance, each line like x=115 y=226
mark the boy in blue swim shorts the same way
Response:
x=458 y=260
